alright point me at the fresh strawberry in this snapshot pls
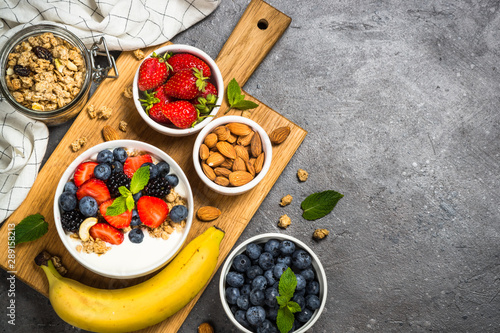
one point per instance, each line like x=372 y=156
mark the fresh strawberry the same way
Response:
x=182 y=61
x=210 y=89
x=154 y=104
x=153 y=72
x=133 y=163
x=182 y=114
x=152 y=211
x=107 y=233
x=119 y=221
x=207 y=99
x=186 y=84
x=94 y=188
x=84 y=171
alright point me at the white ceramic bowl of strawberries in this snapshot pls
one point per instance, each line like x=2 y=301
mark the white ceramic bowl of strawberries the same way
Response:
x=167 y=87
x=128 y=256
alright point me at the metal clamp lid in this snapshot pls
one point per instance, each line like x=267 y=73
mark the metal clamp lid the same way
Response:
x=100 y=73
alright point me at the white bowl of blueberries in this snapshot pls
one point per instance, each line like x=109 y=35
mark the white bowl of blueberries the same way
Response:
x=270 y=274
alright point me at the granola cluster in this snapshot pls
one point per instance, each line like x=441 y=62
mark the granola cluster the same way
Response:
x=45 y=72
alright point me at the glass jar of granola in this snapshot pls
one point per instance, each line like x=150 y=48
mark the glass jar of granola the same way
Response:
x=46 y=72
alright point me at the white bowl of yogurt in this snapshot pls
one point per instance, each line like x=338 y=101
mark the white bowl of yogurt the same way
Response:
x=128 y=259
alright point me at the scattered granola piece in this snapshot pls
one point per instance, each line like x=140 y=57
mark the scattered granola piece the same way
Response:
x=286 y=200
x=302 y=174
x=246 y=113
x=139 y=54
x=320 y=233
x=104 y=112
x=127 y=92
x=79 y=248
x=91 y=111
x=78 y=144
x=284 y=222
x=122 y=126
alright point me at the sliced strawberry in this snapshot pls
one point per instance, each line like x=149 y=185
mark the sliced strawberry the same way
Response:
x=119 y=221
x=107 y=233
x=84 y=171
x=152 y=211
x=94 y=188
x=133 y=163
x=182 y=61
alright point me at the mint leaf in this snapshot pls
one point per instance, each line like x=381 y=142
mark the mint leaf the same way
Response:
x=282 y=300
x=288 y=283
x=30 y=228
x=245 y=105
x=285 y=320
x=234 y=94
x=319 y=204
x=130 y=202
x=139 y=179
x=124 y=191
x=119 y=206
x=293 y=307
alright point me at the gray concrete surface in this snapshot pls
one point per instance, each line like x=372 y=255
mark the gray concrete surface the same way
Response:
x=401 y=103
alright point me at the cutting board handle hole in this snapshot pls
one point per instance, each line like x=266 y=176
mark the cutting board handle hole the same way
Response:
x=262 y=24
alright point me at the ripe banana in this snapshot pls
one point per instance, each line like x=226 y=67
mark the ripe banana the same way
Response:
x=142 y=305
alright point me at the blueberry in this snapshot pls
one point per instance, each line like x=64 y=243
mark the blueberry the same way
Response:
x=256 y=315
x=301 y=292
x=257 y=297
x=287 y=247
x=270 y=277
x=116 y=167
x=136 y=220
x=287 y=260
x=272 y=314
x=163 y=168
x=304 y=315
x=245 y=289
x=102 y=171
x=253 y=251
x=267 y=327
x=260 y=282
x=272 y=246
x=312 y=288
x=153 y=170
x=67 y=201
x=233 y=309
x=313 y=302
x=172 y=179
x=279 y=269
x=300 y=300
x=241 y=318
x=266 y=261
x=301 y=282
x=105 y=156
x=70 y=187
x=301 y=259
x=241 y=263
x=178 y=213
x=243 y=302
x=308 y=274
x=120 y=154
x=88 y=206
x=136 y=235
x=254 y=271
x=232 y=294
x=137 y=196
x=235 y=279
x=271 y=294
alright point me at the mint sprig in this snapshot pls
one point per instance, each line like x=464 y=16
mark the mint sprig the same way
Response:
x=126 y=201
x=236 y=99
x=287 y=285
x=319 y=204
x=30 y=228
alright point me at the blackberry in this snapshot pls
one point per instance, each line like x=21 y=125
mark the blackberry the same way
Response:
x=116 y=180
x=71 y=220
x=157 y=187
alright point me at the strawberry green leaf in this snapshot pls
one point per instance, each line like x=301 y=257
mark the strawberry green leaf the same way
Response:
x=288 y=283
x=118 y=207
x=245 y=105
x=139 y=179
x=30 y=228
x=319 y=204
x=285 y=320
x=293 y=307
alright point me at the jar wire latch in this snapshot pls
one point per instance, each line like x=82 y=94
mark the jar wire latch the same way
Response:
x=100 y=73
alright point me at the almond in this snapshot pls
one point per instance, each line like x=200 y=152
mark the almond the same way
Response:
x=222 y=181
x=245 y=139
x=279 y=135
x=239 y=165
x=210 y=140
x=223 y=172
x=215 y=159
x=250 y=168
x=205 y=328
x=242 y=152
x=208 y=213
x=231 y=138
x=226 y=149
x=204 y=152
x=239 y=178
x=208 y=171
x=259 y=162
x=222 y=133
x=228 y=164
x=239 y=129
x=109 y=133
x=256 y=145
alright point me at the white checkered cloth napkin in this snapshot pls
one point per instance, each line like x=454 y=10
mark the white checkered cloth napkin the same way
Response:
x=125 y=24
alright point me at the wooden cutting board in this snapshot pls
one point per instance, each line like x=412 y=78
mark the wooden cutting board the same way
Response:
x=258 y=30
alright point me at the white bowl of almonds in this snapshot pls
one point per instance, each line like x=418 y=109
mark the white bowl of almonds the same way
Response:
x=232 y=154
